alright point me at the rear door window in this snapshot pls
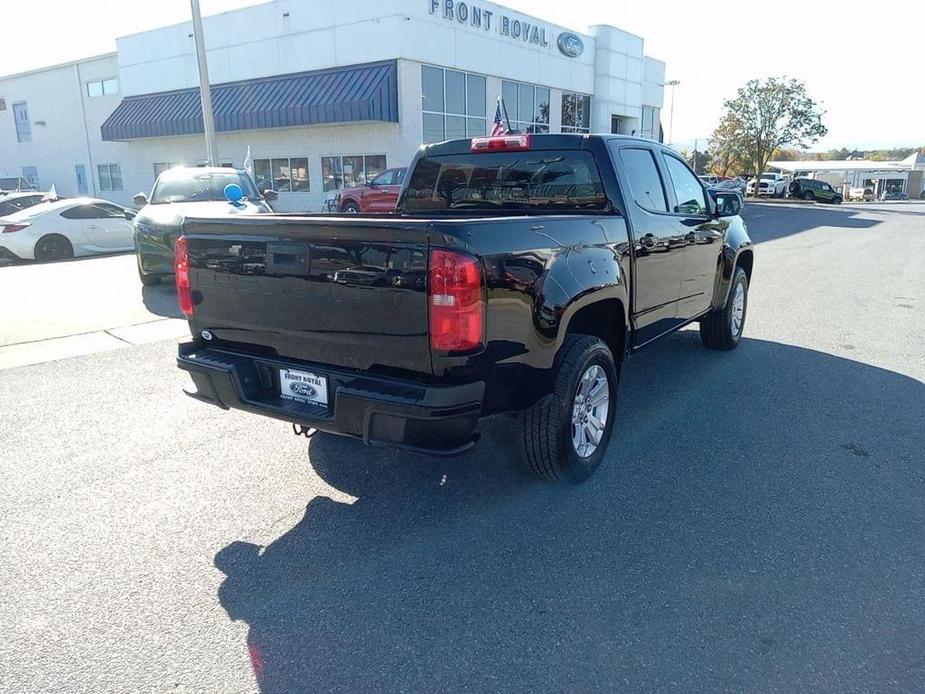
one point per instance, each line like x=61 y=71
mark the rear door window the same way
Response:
x=644 y=181
x=552 y=181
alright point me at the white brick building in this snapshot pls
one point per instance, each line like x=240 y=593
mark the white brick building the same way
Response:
x=405 y=71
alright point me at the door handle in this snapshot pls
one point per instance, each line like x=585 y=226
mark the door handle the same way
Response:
x=648 y=240
x=93 y=226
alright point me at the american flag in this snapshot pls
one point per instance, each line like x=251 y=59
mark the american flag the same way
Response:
x=497 y=127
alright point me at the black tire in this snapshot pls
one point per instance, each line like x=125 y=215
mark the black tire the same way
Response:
x=808 y=195
x=546 y=428
x=146 y=280
x=837 y=200
x=52 y=247
x=717 y=330
x=350 y=208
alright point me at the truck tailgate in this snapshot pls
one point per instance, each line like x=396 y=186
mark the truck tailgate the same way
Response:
x=345 y=291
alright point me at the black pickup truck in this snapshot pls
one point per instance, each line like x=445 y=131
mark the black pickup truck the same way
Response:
x=516 y=276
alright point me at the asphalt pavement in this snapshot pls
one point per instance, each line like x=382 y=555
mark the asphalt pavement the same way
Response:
x=758 y=525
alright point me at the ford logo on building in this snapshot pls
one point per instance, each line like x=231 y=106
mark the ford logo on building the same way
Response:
x=303 y=389
x=570 y=44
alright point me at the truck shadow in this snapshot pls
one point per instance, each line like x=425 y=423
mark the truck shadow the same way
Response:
x=770 y=221
x=758 y=525
x=161 y=299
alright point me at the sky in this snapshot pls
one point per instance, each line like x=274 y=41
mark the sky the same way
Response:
x=866 y=67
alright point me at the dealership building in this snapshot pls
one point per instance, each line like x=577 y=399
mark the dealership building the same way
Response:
x=315 y=95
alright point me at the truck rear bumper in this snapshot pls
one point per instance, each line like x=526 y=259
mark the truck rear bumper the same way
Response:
x=439 y=420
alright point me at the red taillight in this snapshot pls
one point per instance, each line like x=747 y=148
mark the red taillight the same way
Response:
x=457 y=309
x=181 y=268
x=7 y=228
x=501 y=143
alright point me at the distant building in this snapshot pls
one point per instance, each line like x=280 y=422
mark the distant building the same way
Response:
x=904 y=176
x=325 y=94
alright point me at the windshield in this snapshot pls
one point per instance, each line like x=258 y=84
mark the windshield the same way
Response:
x=192 y=186
x=554 y=181
x=771 y=177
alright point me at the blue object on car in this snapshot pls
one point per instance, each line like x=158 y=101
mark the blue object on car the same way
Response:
x=234 y=193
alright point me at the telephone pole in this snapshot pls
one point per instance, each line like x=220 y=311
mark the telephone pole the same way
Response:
x=208 y=121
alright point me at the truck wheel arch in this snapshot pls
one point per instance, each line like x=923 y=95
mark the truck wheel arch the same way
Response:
x=601 y=314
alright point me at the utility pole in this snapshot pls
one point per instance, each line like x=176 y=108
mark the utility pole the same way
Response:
x=672 y=84
x=208 y=121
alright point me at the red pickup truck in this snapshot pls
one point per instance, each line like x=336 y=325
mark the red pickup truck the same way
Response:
x=379 y=195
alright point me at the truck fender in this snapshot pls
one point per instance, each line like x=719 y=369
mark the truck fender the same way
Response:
x=737 y=249
x=576 y=279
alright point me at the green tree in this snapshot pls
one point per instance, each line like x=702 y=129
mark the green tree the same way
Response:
x=765 y=116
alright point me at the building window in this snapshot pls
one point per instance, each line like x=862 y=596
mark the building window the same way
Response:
x=110 y=176
x=340 y=172
x=161 y=167
x=282 y=174
x=649 y=122
x=453 y=104
x=31 y=174
x=527 y=106
x=100 y=87
x=576 y=113
x=23 y=126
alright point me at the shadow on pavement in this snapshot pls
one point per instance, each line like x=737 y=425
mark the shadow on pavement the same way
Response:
x=758 y=526
x=161 y=299
x=768 y=222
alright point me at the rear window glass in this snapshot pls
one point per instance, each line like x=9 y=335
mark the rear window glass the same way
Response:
x=538 y=181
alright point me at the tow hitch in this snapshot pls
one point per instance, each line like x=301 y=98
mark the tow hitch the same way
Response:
x=300 y=430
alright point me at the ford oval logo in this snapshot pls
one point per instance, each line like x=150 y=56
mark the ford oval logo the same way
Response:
x=570 y=44
x=303 y=389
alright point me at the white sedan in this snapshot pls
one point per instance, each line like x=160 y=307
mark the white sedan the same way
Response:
x=64 y=229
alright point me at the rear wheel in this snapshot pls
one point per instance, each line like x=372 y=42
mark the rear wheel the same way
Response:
x=564 y=436
x=723 y=328
x=53 y=247
x=808 y=195
x=350 y=208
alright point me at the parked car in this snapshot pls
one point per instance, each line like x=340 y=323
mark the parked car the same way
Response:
x=11 y=203
x=893 y=195
x=737 y=184
x=182 y=191
x=379 y=195
x=64 y=229
x=861 y=194
x=773 y=185
x=549 y=259
x=811 y=189
x=710 y=180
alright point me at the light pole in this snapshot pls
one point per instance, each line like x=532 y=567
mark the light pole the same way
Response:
x=208 y=121
x=672 y=84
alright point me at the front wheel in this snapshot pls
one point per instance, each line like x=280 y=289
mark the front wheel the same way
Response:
x=146 y=280
x=350 y=208
x=722 y=329
x=564 y=436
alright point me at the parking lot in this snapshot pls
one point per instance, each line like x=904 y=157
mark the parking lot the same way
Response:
x=759 y=525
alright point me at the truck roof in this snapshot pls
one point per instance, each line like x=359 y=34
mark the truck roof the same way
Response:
x=537 y=141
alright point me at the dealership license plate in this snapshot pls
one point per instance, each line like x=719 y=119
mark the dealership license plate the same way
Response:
x=303 y=386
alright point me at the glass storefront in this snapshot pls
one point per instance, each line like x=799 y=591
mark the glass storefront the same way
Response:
x=453 y=104
x=527 y=106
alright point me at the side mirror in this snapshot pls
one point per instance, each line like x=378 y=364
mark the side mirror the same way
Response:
x=129 y=214
x=727 y=204
x=270 y=195
x=140 y=200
